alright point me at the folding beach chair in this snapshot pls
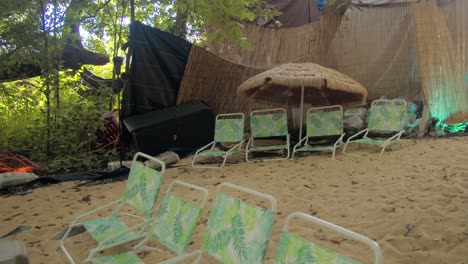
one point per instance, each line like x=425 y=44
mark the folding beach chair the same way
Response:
x=229 y=129
x=237 y=232
x=173 y=227
x=268 y=124
x=386 y=117
x=296 y=249
x=322 y=122
x=140 y=194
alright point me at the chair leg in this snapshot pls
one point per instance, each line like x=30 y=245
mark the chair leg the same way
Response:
x=383 y=149
x=272 y=159
x=211 y=167
x=62 y=244
x=344 y=148
x=344 y=151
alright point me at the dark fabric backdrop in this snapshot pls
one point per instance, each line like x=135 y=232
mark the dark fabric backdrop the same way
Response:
x=157 y=67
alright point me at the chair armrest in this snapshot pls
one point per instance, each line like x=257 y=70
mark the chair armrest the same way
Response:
x=302 y=140
x=248 y=143
x=340 y=140
x=131 y=229
x=299 y=144
x=205 y=147
x=132 y=215
x=397 y=136
x=102 y=208
x=238 y=145
x=357 y=134
x=101 y=246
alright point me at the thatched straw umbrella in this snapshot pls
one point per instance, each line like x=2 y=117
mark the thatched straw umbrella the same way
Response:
x=299 y=83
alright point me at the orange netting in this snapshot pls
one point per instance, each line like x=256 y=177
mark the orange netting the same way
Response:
x=10 y=162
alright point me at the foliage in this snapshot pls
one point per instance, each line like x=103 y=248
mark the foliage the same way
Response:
x=24 y=129
x=208 y=20
x=52 y=119
x=338 y=6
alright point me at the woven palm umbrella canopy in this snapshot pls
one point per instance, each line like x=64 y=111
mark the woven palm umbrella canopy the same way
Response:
x=322 y=86
x=299 y=83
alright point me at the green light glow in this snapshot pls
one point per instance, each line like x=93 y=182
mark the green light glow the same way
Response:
x=447 y=92
x=455 y=128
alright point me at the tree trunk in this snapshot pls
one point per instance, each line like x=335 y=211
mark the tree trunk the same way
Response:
x=180 y=27
x=74 y=55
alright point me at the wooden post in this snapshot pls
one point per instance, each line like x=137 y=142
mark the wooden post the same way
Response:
x=423 y=122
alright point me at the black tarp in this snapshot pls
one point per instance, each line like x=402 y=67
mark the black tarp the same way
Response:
x=88 y=177
x=157 y=67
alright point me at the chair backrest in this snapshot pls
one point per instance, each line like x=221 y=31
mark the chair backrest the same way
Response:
x=229 y=129
x=176 y=219
x=325 y=121
x=269 y=123
x=143 y=184
x=238 y=232
x=387 y=115
x=296 y=249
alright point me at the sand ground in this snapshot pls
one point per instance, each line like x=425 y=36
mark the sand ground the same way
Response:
x=413 y=201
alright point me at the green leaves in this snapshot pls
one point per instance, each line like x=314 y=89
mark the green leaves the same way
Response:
x=175 y=223
x=237 y=232
x=326 y=123
x=57 y=113
x=388 y=116
x=238 y=238
x=142 y=188
x=269 y=125
x=295 y=249
x=229 y=130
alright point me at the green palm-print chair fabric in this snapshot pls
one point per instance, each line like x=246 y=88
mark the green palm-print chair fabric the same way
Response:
x=324 y=123
x=294 y=249
x=105 y=227
x=269 y=125
x=267 y=148
x=142 y=188
x=141 y=192
x=212 y=153
x=388 y=117
x=175 y=222
x=237 y=232
x=124 y=258
x=229 y=130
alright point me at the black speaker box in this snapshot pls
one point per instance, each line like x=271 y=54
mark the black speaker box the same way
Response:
x=183 y=127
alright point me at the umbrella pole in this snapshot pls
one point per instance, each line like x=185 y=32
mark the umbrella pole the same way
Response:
x=302 y=113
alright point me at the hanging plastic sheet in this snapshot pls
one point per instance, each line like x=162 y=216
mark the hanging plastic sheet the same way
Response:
x=158 y=65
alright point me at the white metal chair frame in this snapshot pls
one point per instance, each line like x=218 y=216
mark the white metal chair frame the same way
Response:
x=212 y=145
x=337 y=143
x=141 y=246
x=366 y=131
x=198 y=253
x=252 y=143
x=338 y=229
x=140 y=228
